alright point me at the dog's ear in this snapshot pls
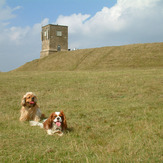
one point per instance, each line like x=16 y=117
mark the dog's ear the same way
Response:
x=35 y=99
x=48 y=124
x=64 y=120
x=23 y=102
x=50 y=120
x=51 y=116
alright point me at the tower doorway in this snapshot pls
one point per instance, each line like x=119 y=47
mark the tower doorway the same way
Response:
x=58 y=48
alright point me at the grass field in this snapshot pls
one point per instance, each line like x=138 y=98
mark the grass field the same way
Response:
x=101 y=59
x=113 y=116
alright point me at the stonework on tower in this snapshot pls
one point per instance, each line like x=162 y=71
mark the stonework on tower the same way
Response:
x=54 y=38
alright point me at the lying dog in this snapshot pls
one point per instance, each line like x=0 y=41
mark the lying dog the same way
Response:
x=30 y=109
x=56 y=123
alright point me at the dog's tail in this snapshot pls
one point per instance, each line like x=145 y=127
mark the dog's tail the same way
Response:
x=34 y=123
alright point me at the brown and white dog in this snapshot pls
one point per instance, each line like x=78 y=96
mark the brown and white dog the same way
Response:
x=55 y=124
x=30 y=109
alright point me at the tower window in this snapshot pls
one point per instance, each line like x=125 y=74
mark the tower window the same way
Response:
x=59 y=33
x=45 y=33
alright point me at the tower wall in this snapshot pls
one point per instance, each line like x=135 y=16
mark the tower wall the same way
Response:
x=54 y=38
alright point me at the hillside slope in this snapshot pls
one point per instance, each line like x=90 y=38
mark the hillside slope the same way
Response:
x=105 y=58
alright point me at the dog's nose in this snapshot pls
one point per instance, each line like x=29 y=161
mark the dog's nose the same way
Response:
x=58 y=118
x=33 y=98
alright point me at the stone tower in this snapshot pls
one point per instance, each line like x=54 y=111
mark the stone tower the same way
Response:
x=54 y=38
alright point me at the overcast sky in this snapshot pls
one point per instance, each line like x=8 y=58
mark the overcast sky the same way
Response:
x=92 y=23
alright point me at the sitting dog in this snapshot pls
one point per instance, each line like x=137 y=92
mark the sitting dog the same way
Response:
x=30 y=109
x=56 y=123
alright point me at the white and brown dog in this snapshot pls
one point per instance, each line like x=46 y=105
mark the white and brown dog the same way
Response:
x=30 y=109
x=55 y=124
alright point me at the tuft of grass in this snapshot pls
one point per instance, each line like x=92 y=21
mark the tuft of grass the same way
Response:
x=113 y=116
x=101 y=59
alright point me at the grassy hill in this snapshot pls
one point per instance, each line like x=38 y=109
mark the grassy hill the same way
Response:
x=105 y=58
x=112 y=116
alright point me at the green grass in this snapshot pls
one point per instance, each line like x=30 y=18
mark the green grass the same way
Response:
x=112 y=97
x=113 y=116
x=101 y=59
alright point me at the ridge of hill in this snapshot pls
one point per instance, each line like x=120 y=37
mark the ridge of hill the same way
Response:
x=147 y=55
